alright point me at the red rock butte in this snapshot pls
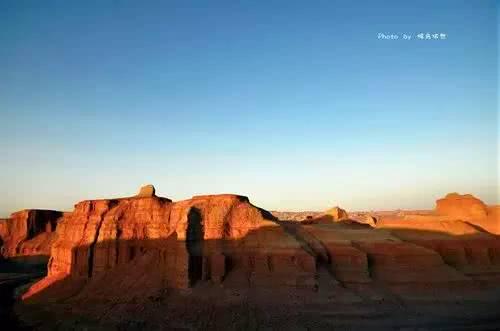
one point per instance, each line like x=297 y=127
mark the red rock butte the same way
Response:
x=192 y=240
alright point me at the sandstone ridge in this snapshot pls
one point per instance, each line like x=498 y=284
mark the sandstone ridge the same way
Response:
x=191 y=240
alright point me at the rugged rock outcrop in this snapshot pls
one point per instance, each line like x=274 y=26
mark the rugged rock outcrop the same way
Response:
x=29 y=232
x=358 y=256
x=337 y=213
x=470 y=209
x=461 y=207
x=207 y=238
x=147 y=191
x=370 y=220
x=295 y=216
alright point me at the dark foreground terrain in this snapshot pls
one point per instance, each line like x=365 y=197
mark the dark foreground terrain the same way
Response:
x=332 y=307
x=16 y=273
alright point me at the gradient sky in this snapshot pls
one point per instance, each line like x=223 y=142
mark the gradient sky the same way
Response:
x=296 y=104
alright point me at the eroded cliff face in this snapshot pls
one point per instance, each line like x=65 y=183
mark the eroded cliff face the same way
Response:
x=87 y=238
x=29 y=232
x=209 y=238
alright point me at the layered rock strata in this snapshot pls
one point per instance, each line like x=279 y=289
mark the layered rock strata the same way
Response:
x=217 y=238
x=358 y=256
x=28 y=232
x=462 y=245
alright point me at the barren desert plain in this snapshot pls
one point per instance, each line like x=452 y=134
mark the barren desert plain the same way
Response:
x=217 y=262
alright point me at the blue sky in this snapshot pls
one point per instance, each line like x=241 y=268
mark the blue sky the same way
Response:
x=296 y=104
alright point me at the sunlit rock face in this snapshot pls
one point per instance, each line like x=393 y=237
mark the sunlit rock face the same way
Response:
x=105 y=222
x=146 y=191
x=335 y=214
x=183 y=242
x=29 y=232
x=463 y=207
x=468 y=208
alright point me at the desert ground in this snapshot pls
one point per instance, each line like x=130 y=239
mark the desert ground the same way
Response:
x=217 y=262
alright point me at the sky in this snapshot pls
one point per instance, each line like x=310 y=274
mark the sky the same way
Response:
x=296 y=104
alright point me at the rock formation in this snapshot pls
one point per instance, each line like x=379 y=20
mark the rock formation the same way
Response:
x=400 y=265
x=370 y=220
x=457 y=231
x=146 y=191
x=206 y=238
x=463 y=207
x=173 y=262
x=337 y=213
x=470 y=209
x=406 y=245
x=4 y=229
x=29 y=232
x=295 y=216
x=453 y=207
x=462 y=245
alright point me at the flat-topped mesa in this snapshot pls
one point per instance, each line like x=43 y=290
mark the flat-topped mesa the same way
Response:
x=181 y=242
x=29 y=232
